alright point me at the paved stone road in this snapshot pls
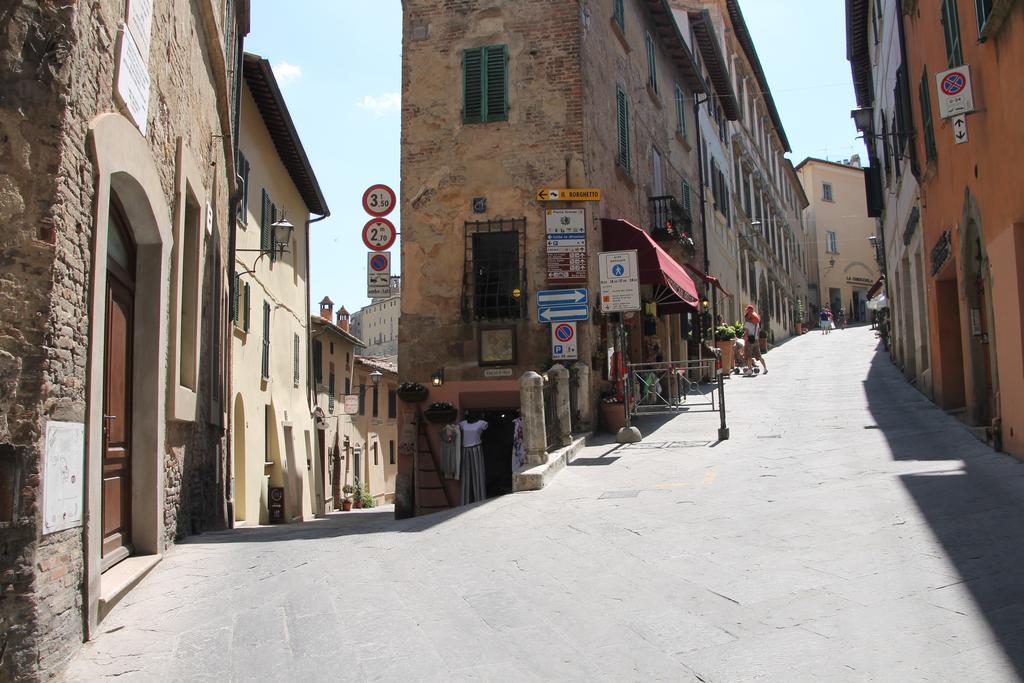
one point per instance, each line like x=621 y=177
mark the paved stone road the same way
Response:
x=848 y=531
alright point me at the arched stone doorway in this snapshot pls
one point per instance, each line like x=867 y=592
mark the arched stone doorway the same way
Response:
x=979 y=358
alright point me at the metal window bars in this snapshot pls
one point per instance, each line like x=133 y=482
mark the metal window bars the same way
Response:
x=494 y=276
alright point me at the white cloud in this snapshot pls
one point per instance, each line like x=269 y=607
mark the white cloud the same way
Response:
x=381 y=105
x=286 y=73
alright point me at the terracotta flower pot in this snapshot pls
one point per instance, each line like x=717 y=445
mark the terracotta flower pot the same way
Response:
x=358 y=503
x=346 y=505
x=613 y=416
x=728 y=356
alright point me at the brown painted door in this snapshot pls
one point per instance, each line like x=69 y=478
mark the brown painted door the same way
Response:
x=117 y=402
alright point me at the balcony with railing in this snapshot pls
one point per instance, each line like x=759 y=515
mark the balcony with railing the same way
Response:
x=671 y=221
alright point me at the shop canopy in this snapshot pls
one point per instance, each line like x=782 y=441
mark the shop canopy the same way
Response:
x=876 y=287
x=674 y=289
x=709 y=280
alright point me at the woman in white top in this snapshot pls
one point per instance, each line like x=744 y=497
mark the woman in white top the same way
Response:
x=474 y=481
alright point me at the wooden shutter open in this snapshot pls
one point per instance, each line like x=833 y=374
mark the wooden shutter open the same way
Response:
x=496 y=83
x=622 y=109
x=472 y=85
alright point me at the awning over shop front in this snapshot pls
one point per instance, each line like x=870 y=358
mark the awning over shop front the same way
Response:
x=674 y=289
x=876 y=287
x=709 y=280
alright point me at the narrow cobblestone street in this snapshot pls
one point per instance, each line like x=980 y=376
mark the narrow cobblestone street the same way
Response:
x=849 y=530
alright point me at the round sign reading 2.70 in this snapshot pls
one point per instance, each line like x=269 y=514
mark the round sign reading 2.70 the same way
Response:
x=379 y=200
x=379 y=234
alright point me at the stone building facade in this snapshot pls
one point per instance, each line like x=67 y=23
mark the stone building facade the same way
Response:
x=116 y=160
x=377 y=325
x=500 y=101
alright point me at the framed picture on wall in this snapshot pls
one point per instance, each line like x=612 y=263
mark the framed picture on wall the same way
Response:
x=497 y=346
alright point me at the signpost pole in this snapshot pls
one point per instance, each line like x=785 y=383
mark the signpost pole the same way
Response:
x=624 y=356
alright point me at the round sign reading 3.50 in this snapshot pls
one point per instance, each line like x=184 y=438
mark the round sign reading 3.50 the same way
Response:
x=379 y=234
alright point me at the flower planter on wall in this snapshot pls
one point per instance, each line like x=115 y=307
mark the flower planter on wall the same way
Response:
x=415 y=395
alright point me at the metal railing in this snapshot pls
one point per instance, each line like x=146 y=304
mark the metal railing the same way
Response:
x=672 y=386
x=669 y=219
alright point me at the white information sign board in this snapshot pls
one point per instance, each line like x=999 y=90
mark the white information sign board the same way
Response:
x=954 y=92
x=378 y=274
x=140 y=23
x=620 y=281
x=563 y=341
x=566 y=246
x=351 y=404
x=133 y=80
x=63 y=484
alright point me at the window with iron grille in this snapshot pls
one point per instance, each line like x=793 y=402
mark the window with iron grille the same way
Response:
x=618 y=13
x=485 y=84
x=495 y=268
x=951 y=32
x=924 y=94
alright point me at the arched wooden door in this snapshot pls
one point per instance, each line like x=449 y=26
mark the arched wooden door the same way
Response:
x=117 y=391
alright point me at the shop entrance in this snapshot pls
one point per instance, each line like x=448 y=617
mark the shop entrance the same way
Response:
x=498 y=441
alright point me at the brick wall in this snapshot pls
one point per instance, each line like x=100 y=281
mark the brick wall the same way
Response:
x=57 y=66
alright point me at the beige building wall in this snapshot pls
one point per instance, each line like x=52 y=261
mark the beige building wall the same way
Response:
x=375 y=429
x=378 y=326
x=273 y=428
x=838 y=215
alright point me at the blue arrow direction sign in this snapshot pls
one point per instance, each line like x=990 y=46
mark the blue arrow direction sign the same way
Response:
x=561 y=314
x=563 y=297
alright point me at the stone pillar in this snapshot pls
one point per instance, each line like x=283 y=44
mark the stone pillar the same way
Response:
x=531 y=407
x=559 y=374
x=583 y=399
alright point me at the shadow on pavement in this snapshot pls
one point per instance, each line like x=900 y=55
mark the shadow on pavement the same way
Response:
x=975 y=508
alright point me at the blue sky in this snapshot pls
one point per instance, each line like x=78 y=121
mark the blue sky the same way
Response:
x=339 y=66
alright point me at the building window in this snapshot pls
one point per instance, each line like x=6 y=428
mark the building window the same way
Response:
x=348 y=386
x=485 y=84
x=924 y=93
x=622 y=121
x=687 y=201
x=680 y=112
x=391 y=452
x=375 y=454
x=652 y=64
x=265 y=365
x=188 y=322
x=826 y=192
x=330 y=390
x=392 y=404
x=619 y=14
x=242 y=210
x=495 y=269
x=240 y=303
x=318 y=362
x=362 y=399
x=831 y=243
x=951 y=31
x=295 y=360
x=983 y=8
x=376 y=400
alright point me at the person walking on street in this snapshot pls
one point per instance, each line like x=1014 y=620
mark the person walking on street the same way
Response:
x=841 y=318
x=751 y=328
x=825 y=320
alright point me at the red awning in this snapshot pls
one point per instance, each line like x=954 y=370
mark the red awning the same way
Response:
x=709 y=280
x=875 y=287
x=674 y=290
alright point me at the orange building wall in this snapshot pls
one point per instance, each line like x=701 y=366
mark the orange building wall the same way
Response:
x=980 y=178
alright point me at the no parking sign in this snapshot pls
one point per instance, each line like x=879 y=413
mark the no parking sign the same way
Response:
x=563 y=341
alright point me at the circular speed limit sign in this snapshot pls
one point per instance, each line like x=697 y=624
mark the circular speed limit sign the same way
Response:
x=379 y=234
x=379 y=200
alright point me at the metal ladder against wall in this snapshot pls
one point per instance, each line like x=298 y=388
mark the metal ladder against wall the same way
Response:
x=431 y=492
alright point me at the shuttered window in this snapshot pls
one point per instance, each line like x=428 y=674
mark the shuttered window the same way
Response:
x=330 y=390
x=951 y=31
x=242 y=210
x=983 y=8
x=680 y=112
x=687 y=202
x=240 y=303
x=619 y=14
x=485 y=84
x=318 y=362
x=924 y=94
x=622 y=120
x=265 y=235
x=265 y=365
x=652 y=64
x=295 y=360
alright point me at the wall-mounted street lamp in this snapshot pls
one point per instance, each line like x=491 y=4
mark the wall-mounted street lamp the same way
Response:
x=437 y=379
x=863 y=121
x=280 y=236
x=375 y=377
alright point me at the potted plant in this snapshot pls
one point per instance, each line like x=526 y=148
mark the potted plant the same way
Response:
x=441 y=413
x=368 y=500
x=346 y=502
x=412 y=392
x=762 y=340
x=725 y=338
x=613 y=410
x=357 y=495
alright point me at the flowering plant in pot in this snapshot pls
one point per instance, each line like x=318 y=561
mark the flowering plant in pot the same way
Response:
x=346 y=502
x=725 y=338
x=441 y=412
x=613 y=410
x=412 y=392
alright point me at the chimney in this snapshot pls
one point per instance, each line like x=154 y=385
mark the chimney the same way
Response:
x=327 y=308
x=343 y=319
x=855 y=161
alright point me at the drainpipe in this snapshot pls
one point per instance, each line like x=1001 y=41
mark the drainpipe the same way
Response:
x=310 y=385
x=703 y=215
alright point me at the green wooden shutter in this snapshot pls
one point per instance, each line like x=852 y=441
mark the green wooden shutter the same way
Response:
x=472 y=86
x=295 y=360
x=273 y=242
x=236 y=281
x=245 y=307
x=687 y=204
x=622 y=107
x=265 y=236
x=496 y=83
x=618 y=13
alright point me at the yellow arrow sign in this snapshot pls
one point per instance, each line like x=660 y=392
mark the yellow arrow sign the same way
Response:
x=568 y=195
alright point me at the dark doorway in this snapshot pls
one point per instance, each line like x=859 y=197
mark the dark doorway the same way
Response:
x=497 y=447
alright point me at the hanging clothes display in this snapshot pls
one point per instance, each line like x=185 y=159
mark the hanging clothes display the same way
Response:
x=451 y=451
x=518 y=449
x=474 y=481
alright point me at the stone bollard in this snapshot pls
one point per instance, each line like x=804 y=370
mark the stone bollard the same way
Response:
x=559 y=374
x=531 y=407
x=583 y=402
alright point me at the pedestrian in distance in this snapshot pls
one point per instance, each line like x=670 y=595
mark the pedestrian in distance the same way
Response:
x=751 y=327
x=841 y=318
x=825 y=320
